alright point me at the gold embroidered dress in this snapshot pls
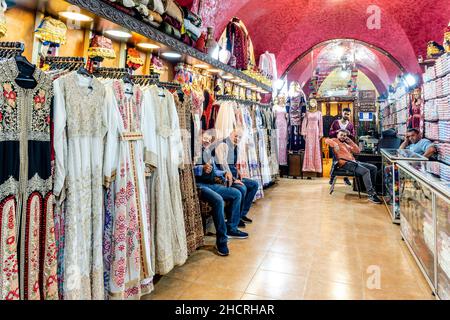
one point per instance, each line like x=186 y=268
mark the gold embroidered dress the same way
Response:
x=26 y=200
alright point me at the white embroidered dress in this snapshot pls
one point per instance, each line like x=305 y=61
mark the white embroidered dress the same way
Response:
x=80 y=126
x=131 y=274
x=170 y=233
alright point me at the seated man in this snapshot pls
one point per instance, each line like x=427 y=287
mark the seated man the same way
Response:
x=344 y=148
x=226 y=154
x=416 y=143
x=211 y=183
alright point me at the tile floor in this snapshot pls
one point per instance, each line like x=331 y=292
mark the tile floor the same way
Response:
x=304 y=244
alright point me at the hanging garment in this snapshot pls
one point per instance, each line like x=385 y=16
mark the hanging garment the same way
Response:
x=130 y=274
x=80 y=127
x=26 y=199
x=268 y=65
x=282 y=134
x=273 y=143
x=237 y=43
x=226 y=120
x=312 y=130
x=170 y=233
x=262 y=147
x=191 y=204
x=242 y=158
x=250 y=142
x=197 y=111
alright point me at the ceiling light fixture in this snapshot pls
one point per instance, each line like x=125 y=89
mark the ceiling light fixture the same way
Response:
x=71 y=15
x=214 y=70
x=201 y=66
x=171 y=55
x=410 y=80
x=118 y=34
x=146 y=45
x=227 y=77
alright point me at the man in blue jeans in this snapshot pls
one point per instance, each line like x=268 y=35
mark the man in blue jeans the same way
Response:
x=226 y=155
x=215 y=188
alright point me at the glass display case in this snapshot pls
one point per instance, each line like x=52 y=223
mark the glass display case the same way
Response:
x=391 y=178
x=424 y=196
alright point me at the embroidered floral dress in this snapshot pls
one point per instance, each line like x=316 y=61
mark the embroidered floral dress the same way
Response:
x=26 y=200
x=131 y=274
x=80 y=122
x=250 y=140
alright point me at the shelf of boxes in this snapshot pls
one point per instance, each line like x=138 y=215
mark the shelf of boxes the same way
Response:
x=395 y=111
x=436 y=90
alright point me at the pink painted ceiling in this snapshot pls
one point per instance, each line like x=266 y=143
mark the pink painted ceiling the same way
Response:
x=290 y=27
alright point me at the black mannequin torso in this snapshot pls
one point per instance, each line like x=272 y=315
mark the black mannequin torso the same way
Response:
x=26 y=70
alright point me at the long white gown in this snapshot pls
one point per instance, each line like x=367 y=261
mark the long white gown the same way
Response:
x=170 y=233
x=80 y=117
x=131 y=275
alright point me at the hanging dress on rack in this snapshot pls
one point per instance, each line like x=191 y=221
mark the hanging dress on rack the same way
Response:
x=80 y=127
x=312 y=130
x=131 y=274
x=26 y=198
x=242 y=160
x=191 y=203
x=170 y=233
x=250 y=141
x=262 y=146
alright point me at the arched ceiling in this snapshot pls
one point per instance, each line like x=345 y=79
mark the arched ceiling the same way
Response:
x=290 y=27
x=327 y=56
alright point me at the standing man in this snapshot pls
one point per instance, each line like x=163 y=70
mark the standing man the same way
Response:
x=226 y=155
x=416 y=143
x=344 y=149
x=343 y=124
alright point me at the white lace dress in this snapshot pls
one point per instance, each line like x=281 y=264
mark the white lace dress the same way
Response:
x=170 y=233
x=80 y=126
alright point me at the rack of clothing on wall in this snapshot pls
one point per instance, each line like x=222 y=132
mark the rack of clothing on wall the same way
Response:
x=11 y=49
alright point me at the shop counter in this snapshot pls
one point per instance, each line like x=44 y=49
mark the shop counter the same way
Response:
x=425 y=219
x=390 y=178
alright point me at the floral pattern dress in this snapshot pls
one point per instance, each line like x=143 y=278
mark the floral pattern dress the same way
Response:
x=27 y=239
x=128 y=249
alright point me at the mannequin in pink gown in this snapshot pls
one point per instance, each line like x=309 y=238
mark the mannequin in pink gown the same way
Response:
x=312 y=131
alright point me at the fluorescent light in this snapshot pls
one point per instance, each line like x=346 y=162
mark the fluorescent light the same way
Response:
x=118 y=34
x=228 y=77
x=410 y=80
x=201 y=66
x=171 y=55
x=146 y=45
x=339 y=51
x=71 y=15
x=236 y=80
x=214 y=70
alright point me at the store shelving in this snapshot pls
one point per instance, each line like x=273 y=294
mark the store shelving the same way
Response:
x=107 y=11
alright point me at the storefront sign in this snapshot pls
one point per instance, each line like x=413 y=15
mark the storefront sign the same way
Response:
x=367 y=101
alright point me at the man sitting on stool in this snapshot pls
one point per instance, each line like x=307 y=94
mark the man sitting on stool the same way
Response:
x=226 y=155
x=344 y=148
x=416 y=143
x=214 y=190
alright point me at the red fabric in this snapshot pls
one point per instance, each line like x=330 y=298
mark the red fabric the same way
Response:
x=185 y=3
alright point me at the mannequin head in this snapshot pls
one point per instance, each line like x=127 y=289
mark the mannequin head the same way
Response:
x=312 y=104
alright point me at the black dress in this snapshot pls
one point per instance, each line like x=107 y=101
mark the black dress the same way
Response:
x=27 y=239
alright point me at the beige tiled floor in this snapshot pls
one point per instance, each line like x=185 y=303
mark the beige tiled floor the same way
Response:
x=304 y=244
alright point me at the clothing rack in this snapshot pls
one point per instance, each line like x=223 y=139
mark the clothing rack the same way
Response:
x=241 y=101
x=65 y=63
x=114 y=73
x=11 y=49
